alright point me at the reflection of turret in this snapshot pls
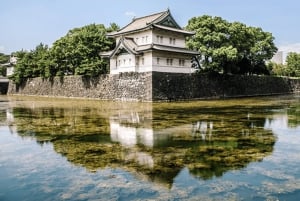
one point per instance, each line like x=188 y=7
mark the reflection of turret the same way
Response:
x=10 y=121
x=142 y=158
x=278 y=121
x=9 y=116
x=127 y=129
x=132 y=136
x=203 y=129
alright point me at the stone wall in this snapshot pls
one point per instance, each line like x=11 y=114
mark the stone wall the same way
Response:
x=170 y=86
x=157 y=86
x=125 y=86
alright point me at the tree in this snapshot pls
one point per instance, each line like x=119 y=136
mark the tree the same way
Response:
x=277 y=69
x=20 y=73
x=211 y=40
x=4 y=59
x=31 y=64
x=230 y=47
x=77 y=53
x=293 y=64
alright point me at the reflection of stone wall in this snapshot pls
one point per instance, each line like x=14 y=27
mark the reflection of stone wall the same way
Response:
x=158 y=86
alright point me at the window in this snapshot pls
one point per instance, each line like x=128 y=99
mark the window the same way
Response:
x=137 y=40
x=146 y=39
x=143 y=61
x=169 y=62
x=159 y=39
x=119 y=62
x=129 y=61
x=181 y=62
x=124 y=61
x=172 y=41
x=143 y=39
x=157 y=60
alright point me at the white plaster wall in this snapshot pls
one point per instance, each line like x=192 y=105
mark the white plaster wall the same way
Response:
x=179 y=38
x=118 y=65
x=138 y=37
x=172 y=69
x=9 y=71
x=147 y=66
x=150 y=63
x=175 y=67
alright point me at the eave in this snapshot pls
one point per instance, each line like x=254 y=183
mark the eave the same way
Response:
x=117 y=34
x=187 y=33
x=167 y=49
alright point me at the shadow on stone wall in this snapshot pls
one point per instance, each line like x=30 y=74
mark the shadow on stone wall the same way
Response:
x=3 y=88
x=169 y=87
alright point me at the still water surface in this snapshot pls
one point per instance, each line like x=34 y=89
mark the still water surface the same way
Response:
x=62 y=149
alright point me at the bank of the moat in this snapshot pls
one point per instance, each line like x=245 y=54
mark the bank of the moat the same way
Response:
x=157 y=86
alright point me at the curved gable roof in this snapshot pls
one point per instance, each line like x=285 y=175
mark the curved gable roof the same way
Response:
x=126 y=44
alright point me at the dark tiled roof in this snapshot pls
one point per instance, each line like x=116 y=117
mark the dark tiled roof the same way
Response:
x=146 y=22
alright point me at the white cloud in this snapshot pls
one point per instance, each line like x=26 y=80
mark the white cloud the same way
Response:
x=130 y=13
x=294 y=47
x=2 y=48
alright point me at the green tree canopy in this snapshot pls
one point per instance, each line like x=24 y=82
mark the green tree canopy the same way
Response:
x=4 y=59
x=230 y=47
x=77 y=53
x=277 y=69
x=32 y=63
x=293 y=64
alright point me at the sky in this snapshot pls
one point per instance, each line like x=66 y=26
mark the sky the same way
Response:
x=26 y=23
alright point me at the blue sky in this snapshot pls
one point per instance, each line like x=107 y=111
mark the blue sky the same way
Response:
x=26 y=23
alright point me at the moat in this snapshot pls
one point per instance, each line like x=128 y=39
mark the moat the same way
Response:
x=72 y=149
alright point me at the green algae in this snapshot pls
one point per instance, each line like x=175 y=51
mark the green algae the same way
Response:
x=208 y=137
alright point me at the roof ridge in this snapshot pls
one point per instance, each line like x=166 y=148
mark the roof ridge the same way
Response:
x=162 y=12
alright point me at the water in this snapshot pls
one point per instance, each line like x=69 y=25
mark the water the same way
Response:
x=62 y=149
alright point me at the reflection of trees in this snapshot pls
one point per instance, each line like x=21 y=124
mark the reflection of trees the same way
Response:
x=3 y=111
x=50 y=124
x=227 y=152
x=209 y=142
x=294 y=116
x=2 y=117
x=285 y=118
